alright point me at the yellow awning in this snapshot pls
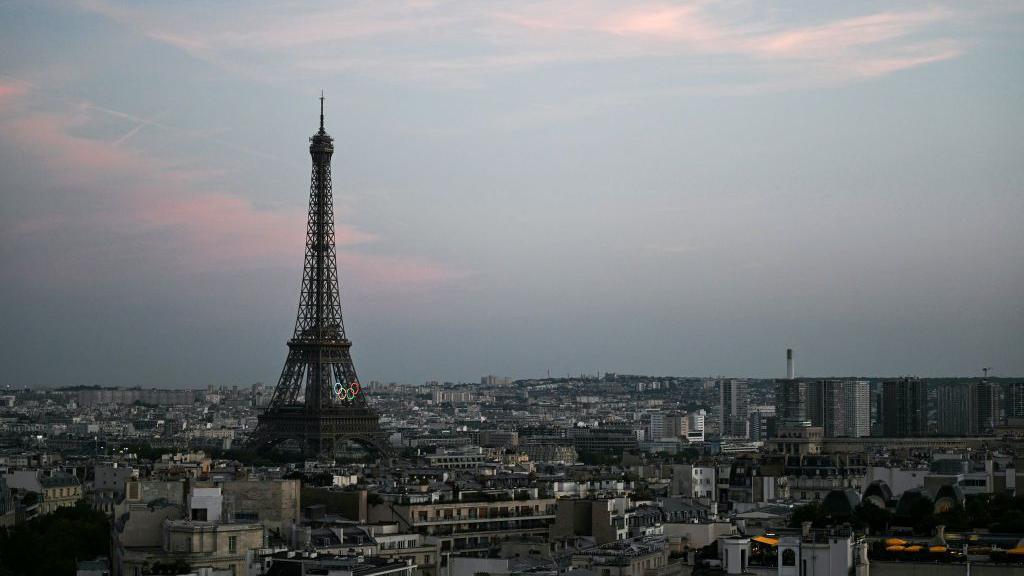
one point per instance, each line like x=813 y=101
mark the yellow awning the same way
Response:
x=936 y=548
x=913 y=548
x=895 y=548
x=895 y=542
x=1016 y=550
x=766 y=540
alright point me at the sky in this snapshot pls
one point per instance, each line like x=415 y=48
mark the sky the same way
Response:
x=521 y=188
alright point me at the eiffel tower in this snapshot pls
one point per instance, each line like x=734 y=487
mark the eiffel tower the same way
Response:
x=319 y=402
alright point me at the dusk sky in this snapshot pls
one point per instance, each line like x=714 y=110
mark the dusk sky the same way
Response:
x=652 y=188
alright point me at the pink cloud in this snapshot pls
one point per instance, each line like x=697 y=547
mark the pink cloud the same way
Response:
x=843 y=35
x=522 y=36
x=10 y=89
x=207 y=227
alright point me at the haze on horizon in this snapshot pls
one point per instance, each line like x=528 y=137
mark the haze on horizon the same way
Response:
x=655 y=188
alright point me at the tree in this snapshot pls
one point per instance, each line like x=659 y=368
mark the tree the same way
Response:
x=812 y=512
x=52 y=544
x=876 y=519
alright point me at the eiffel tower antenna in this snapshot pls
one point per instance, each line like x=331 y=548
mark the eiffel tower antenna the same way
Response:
x=319 y=401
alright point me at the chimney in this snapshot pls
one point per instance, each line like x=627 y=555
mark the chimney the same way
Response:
x=789 y=364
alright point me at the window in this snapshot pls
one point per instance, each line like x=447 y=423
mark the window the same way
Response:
x=232 y=544
x=789 y=557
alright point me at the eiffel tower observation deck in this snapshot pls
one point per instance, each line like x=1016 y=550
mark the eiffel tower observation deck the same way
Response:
x=319 y=404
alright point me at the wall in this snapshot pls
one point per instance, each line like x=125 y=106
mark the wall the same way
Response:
x=276 y=503
x=349 y=504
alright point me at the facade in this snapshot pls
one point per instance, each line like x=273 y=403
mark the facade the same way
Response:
x=603 y=439
x=967 y=408
x=412 y=549
x=846 y=408
x=821 y=553
x=1015 y=401
x=298 y=563
x=957 y=409
x=58 y=491
x=192 y=546
x=603 y=519
x=987 y=406
x=842 y=408
x=272 y=503
x=904 y=406
x=798 y=440
x=472 y=523
x=734 y=408
x=695 y=425
x=791 y=403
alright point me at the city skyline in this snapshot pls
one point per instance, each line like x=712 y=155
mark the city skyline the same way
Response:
x=670 y=189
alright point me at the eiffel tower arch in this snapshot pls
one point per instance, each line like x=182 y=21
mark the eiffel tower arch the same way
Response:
x=319 y=401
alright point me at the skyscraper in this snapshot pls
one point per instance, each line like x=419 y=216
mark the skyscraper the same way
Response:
x=1015 y=401
x=967 y=408
x=956 y=403
x=988 y=406
x=846 y=408
x=842 y=408
x=904 y=408
x=791 y=402
x=734 y=408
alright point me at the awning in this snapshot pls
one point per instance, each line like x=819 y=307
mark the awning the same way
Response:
x=936 y=548
x=895 y=542
x=895 y=548
x=913 y=548
x=1016 y=550
x=766 y=540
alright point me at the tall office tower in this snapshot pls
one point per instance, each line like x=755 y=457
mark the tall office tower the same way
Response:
x=1015 y=401
x=967 y=409
x=734 y=408
x=904 y=408
x=791 y=403
x=762 y=422
x=957 y=405
x=987 y=410
x=842 y=408
x=816 y=403
x=845 y=408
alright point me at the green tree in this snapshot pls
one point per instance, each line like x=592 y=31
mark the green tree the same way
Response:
x=876 y=519
x=52 y=544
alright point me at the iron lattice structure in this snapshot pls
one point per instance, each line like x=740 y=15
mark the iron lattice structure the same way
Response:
x=318 y=400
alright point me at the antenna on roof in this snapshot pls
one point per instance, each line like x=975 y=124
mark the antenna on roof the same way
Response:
x=321 y=110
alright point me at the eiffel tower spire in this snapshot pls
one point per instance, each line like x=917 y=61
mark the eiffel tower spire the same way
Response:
x=319 y=400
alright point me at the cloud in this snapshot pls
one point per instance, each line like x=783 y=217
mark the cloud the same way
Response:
x=440 y=42
x=201 y=226
x=12 y=88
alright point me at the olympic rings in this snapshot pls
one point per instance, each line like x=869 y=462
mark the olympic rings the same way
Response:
x=349 y=393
